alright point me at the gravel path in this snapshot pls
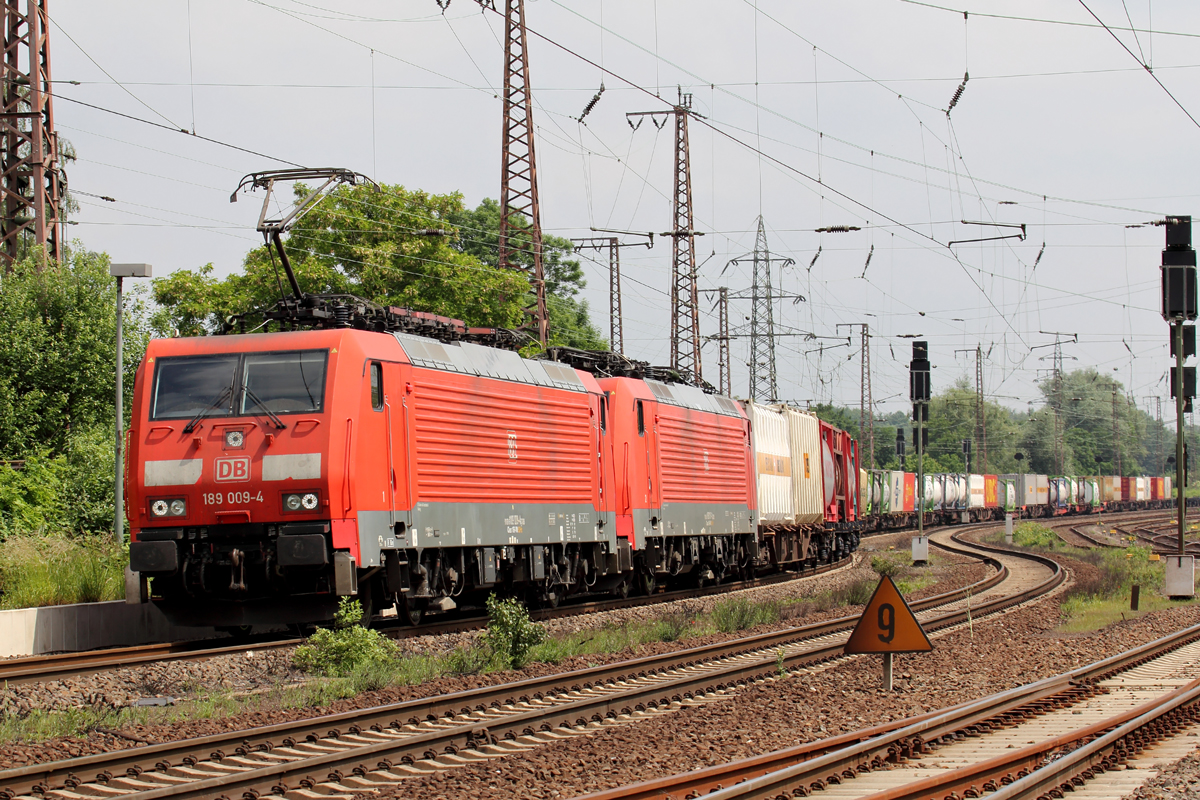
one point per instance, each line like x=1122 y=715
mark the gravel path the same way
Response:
x=263 y=673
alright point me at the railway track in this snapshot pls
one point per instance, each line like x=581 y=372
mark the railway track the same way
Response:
x=1043 y=739
x=361 y=750
x=32 y=669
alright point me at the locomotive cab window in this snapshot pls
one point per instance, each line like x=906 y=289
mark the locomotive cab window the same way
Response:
x=603 y=414
x=283 y=382
x=641 y=416
x=238 y=384
x=376 y=385
x=184 y=387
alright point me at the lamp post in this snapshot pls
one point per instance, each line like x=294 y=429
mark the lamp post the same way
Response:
x=120 y=272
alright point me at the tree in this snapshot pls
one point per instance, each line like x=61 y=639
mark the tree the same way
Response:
x=392 y=245
x=570 y=320
x=57 y=381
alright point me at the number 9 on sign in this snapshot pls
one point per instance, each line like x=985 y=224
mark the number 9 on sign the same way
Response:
x=887 y=623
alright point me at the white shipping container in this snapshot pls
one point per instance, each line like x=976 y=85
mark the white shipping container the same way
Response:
x=975 y=482
x=804 y=444
x=1043 y=490
x=896 y=504
x=772 y=463
x=1142 y=491
x=1166 y=488
x=864 y=492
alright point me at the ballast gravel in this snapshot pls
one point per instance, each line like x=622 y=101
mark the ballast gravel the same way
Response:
x=261 y=672
x=997 y=653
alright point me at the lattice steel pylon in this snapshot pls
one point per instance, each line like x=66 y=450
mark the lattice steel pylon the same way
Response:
x=685 y=299
x=30 y=174
x=866 y=420
x=980 y=412
x=763 y=382
x=520 y=213
x=764 y=385
x=616 y=324
x=685 y=304
x=723 y=364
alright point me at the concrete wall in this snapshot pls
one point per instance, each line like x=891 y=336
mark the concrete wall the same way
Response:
x=87 y=626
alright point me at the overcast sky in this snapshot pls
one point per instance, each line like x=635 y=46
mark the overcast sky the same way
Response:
x=1058 y=128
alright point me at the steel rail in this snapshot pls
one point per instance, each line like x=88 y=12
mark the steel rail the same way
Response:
x=31 y=778
x=360 y=763
x=349 y=758
x=31 y=669
x=819 y=763
x=1108 y=751
x=834 y=760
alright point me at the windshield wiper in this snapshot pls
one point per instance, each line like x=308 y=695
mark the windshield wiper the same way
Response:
x=246 y=392
x=211 y=407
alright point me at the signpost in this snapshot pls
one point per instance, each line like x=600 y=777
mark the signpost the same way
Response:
x=887 y=626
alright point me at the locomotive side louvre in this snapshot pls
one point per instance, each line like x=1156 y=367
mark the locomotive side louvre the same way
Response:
x=686 y=477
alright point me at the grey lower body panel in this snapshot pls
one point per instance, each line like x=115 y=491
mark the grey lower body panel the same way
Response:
x=484 y=525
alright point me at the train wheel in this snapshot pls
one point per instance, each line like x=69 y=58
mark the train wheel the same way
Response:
x=647 y=583
x=410 y=611
x=302 y=629
x=240 y=633
x=621 y=590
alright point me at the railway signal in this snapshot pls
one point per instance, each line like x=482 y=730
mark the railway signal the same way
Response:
x=919 y=393
x=887 y=626
x=1178 y=306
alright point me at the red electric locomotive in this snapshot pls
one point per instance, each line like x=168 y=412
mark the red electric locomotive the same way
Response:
x=347 y=455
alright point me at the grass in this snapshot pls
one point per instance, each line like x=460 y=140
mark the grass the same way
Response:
x=53 y=569
x=1101 y=598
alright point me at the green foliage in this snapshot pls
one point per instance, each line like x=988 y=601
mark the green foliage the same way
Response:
x=1031 y=534
x=889 y=566
x=780 y=665
x=363 y=241
x=58 y=351
x=56 y=569
x=374 y=243
x=738 y=614
x=348 y=649
x=857 y=593
x=510 y=633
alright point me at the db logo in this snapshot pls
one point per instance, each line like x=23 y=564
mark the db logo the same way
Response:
x=231 y=470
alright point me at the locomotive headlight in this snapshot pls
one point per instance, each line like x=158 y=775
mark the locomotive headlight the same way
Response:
x=309 y=501
x=159 y=508
x=292 y=502
x=178 y=508
x=234 y=438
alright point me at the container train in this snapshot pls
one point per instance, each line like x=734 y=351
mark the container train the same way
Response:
x=274 y=473
x=419 y=465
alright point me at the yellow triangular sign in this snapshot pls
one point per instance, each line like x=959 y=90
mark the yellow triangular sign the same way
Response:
x=888 y=625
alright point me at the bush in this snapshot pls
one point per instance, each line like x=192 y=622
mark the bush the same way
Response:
x=856 y=594
x=886 y=567
x=348 y=649
x=672 y=627
x=57 y=569
x=1031 y=534
x=738 y=614
x=510 y=633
